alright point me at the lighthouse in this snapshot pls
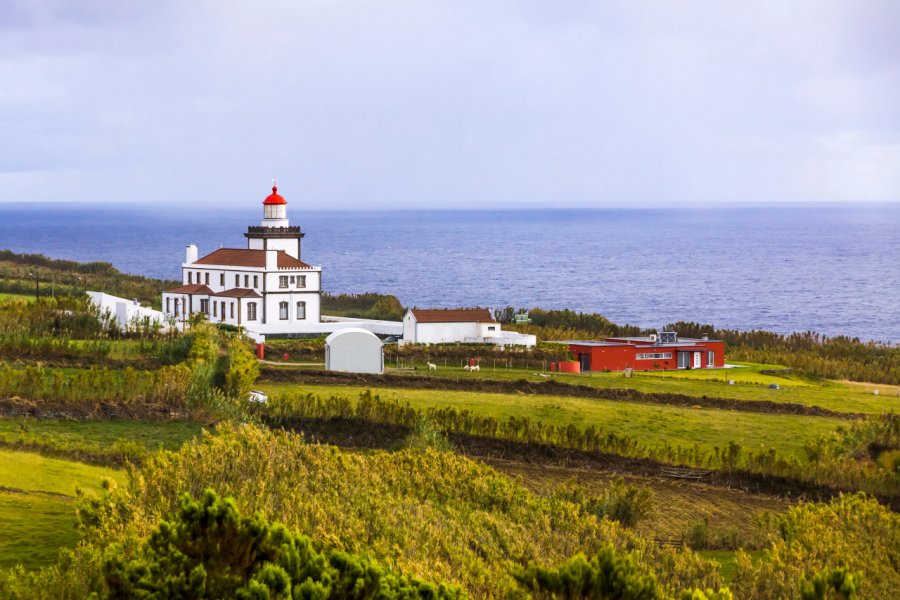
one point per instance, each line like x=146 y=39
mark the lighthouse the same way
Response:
x=274 y=231
x=264 y=288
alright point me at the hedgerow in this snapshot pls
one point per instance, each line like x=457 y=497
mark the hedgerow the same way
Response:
x=838 y=471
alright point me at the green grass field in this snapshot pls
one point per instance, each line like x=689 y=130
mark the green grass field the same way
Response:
x=37 y=516
x=749 y=384
x=5 y=296
x=36 y=492
x=648 y=423
x=77 y=438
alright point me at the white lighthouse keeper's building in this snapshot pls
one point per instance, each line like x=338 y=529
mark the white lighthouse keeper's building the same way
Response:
x=265 y=288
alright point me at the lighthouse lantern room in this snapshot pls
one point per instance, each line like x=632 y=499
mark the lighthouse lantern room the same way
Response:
x=274 y=231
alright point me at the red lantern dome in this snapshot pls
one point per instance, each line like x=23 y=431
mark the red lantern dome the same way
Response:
x=274 y=197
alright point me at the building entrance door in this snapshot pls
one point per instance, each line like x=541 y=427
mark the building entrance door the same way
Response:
x=684 y=360
x=697 y=359
x=585 y=360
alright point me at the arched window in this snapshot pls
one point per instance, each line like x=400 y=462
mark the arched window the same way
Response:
x=283 y=311
x=301 y=310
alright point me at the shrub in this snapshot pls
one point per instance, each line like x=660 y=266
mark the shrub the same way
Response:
x=854 y=533
x=424 y=513
x=426 y=434
x=210 y=551
x=628 y=504
x=243 y=369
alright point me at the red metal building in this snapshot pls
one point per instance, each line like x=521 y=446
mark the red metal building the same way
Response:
x=657 y=352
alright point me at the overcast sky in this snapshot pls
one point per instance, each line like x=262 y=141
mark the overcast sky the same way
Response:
x=457 y=104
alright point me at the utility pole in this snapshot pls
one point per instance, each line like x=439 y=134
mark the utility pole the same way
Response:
x=37 y=285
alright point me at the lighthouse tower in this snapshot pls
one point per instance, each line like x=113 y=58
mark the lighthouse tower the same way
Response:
x=274 y=231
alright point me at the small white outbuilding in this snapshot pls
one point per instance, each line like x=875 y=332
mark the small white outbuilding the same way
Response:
x=354 y=350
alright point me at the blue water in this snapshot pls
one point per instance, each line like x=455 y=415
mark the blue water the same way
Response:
x=834 y=270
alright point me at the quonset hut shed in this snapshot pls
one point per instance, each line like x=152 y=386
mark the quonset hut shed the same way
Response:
x=354 y=350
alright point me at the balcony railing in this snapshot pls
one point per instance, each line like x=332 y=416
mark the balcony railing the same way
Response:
x=260 y=229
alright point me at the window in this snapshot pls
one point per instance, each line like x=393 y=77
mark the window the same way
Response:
x=190 y=277
x=222 y=279
x=204 y=306
x=492 y=328
x=256 y=281
x=653 y=355
x=710 y=358
x=206 y=278
x=237 y=281
x=223 y=310
x=292 y=279
x=251 y=311
x=232 y=309
x=301 y=281
x=215 y=309
x=283 y=281
x=301 y=310
x=176 y=307
x=168 y=306
x=283 y=311
x=246 y=281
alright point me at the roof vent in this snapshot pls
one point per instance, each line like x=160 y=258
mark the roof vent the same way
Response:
x=705 y=337
x=653 y=337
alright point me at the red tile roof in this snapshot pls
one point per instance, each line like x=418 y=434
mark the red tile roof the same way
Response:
x=238 y=293
x=196 y=288
x=238 y=257
x=460 y=315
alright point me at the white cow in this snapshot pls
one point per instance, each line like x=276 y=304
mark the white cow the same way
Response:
x=475 y=368
x=431 y=366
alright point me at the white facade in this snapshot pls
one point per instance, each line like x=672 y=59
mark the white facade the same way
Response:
x=129 y=315
x=458 y=326
x=354 y=350
x=264 y=288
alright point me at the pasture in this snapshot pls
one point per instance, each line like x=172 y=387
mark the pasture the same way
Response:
x=650 y=424
x=96 y=441
x=4 y=296
x=750 y=383
x=37 y=514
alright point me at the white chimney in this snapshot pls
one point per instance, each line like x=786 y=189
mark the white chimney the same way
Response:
x=190 y=255
x=271 y=260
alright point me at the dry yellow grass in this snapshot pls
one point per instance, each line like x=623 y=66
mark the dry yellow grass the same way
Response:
x=676 y=503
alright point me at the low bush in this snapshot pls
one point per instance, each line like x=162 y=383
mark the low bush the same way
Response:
x=625 y=503
x=427 y=514
x=849 y=535
x=210 y=551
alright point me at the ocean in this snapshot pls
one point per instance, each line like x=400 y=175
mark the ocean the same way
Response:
x=834 y=269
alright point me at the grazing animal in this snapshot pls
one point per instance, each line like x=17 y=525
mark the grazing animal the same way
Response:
x=466 y=368
x=432 y=366
x=475 y=368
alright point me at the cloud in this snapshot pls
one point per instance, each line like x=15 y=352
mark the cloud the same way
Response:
x=450 y=104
